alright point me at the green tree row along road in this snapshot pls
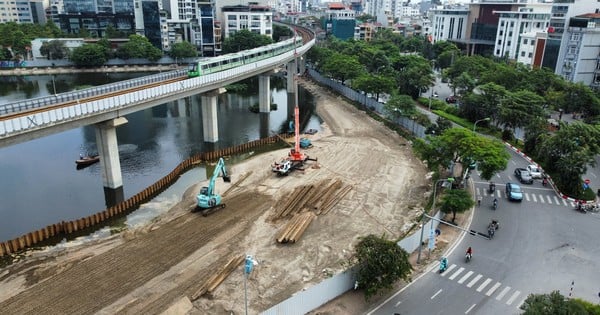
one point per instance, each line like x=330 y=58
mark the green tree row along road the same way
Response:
x=503 y=95
x=15 y=40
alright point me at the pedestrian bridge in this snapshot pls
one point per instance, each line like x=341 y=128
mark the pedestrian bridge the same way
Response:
x=104 y=106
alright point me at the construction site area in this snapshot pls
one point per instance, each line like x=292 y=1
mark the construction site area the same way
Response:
x=300 y=229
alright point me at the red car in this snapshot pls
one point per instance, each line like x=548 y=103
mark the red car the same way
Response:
x=451 y=99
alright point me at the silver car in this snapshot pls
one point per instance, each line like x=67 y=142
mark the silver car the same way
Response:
x=535 y=171
x=524 y=176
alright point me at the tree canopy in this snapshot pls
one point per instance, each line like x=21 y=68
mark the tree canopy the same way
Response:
x=139 y=47
x=460 y=144
x=456 y=201
x=89 y=55
x=380 y=263
x=556 y=304
x=54 y=49
x=244 y=40
x=183 y=50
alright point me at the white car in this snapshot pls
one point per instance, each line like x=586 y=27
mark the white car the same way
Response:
x=535 y=171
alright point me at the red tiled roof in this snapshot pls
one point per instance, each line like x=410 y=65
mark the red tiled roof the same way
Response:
x=336 y=5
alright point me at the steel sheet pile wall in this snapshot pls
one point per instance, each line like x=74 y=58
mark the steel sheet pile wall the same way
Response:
x=68 y=227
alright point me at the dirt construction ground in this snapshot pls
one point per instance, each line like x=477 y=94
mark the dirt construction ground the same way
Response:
x=160 y=267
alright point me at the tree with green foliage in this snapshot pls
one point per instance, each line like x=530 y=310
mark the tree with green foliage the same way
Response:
x=400 y=106
x=139 y=47
x=89 y=55
x=244 y=40
x=380 y=263
x=440 y=125
x=183 y=50
x=413 y=74
x=342 y=67
x=460 y=144
x=555 y=304
x=374 y=84
x=54 y=49
x=281 y=31
x=580 y=98
x=518 y=109
x=567 y=154
x=456 y=201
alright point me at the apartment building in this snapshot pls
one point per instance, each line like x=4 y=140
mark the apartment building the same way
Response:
x=581 y=62
x=449 y=24
x=255 y=18
x=512 y=24
x=22 y=11
x=339 y=21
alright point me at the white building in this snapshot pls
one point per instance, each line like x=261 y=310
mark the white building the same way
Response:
x=449 y=24
x=406 y=11
x=257 y=19
x=36 y=44
x=24 y=11
x=512 y=24
x=581 y=62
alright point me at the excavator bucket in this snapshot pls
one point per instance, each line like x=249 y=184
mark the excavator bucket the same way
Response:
x=227 y=178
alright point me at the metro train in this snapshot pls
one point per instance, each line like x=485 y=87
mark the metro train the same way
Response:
x=210 y=65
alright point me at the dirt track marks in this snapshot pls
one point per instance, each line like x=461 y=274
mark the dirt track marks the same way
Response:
x=90 y=285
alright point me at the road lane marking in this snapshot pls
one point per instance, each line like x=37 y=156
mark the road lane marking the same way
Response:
x=484 y=284
x=448 y=270
x=465 y=277
x=513 y=297
x=438 y=292
x=474 y=281
x=549 y=200
x=501 y=295
x=527 y=197
x=519 y=305
x=534 y=199
x=565 y=202
x=557 y=200
x=456 y=273
x=470 y=308
x=542 y=199
x=492 y=289
x=397 y=303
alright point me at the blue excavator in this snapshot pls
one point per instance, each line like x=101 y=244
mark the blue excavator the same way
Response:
x=208 y=201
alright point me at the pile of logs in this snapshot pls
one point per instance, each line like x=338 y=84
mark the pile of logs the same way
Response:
x=213 y=282
x=304 y=204
x=292 y=231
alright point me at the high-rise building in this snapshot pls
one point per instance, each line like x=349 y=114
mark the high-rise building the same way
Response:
x=581 y=61
x=512 y=24
x=23 y=11
x=449 y=24
x=339 y=21
x=257 y=19
x=95 y=16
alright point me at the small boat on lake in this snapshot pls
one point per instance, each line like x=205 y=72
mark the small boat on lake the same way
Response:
x=87 y=160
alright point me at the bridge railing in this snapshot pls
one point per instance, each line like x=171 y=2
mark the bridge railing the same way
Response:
x=34 y=103
x=85 y=109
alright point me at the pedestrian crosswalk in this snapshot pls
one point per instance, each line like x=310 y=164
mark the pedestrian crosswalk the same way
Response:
x=481 y=283
x=528 y=197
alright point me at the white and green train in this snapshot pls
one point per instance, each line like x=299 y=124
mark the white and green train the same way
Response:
x=211 y=65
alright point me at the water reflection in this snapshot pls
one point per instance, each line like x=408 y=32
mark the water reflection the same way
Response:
x=40 y=184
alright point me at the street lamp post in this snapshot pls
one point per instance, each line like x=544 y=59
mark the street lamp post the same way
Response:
x=475 y=124
x=423 y=217
x=53 y=85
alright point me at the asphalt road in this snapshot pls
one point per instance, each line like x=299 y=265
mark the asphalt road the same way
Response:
x=543 y=244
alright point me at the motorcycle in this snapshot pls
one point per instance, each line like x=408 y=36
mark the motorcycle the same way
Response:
x=495 y=205
x=492 y=188
x=492 y=227
x=443 y=264
x=467 y=257
x=545 y=182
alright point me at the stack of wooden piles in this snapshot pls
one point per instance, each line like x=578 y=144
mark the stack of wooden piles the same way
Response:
x=333 y=199
x=292 y=231
x=213 y=282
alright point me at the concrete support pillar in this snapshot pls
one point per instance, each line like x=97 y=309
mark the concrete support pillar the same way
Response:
x=210 y=124
x=106 y=141
x=291 y=74
x=264 y=93
x=472 y=49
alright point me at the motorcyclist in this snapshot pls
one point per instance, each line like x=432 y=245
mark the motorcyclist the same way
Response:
x=469 y=252
x=495 y=203
x=492 y=186
x=545 y=181
x=443 y=264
